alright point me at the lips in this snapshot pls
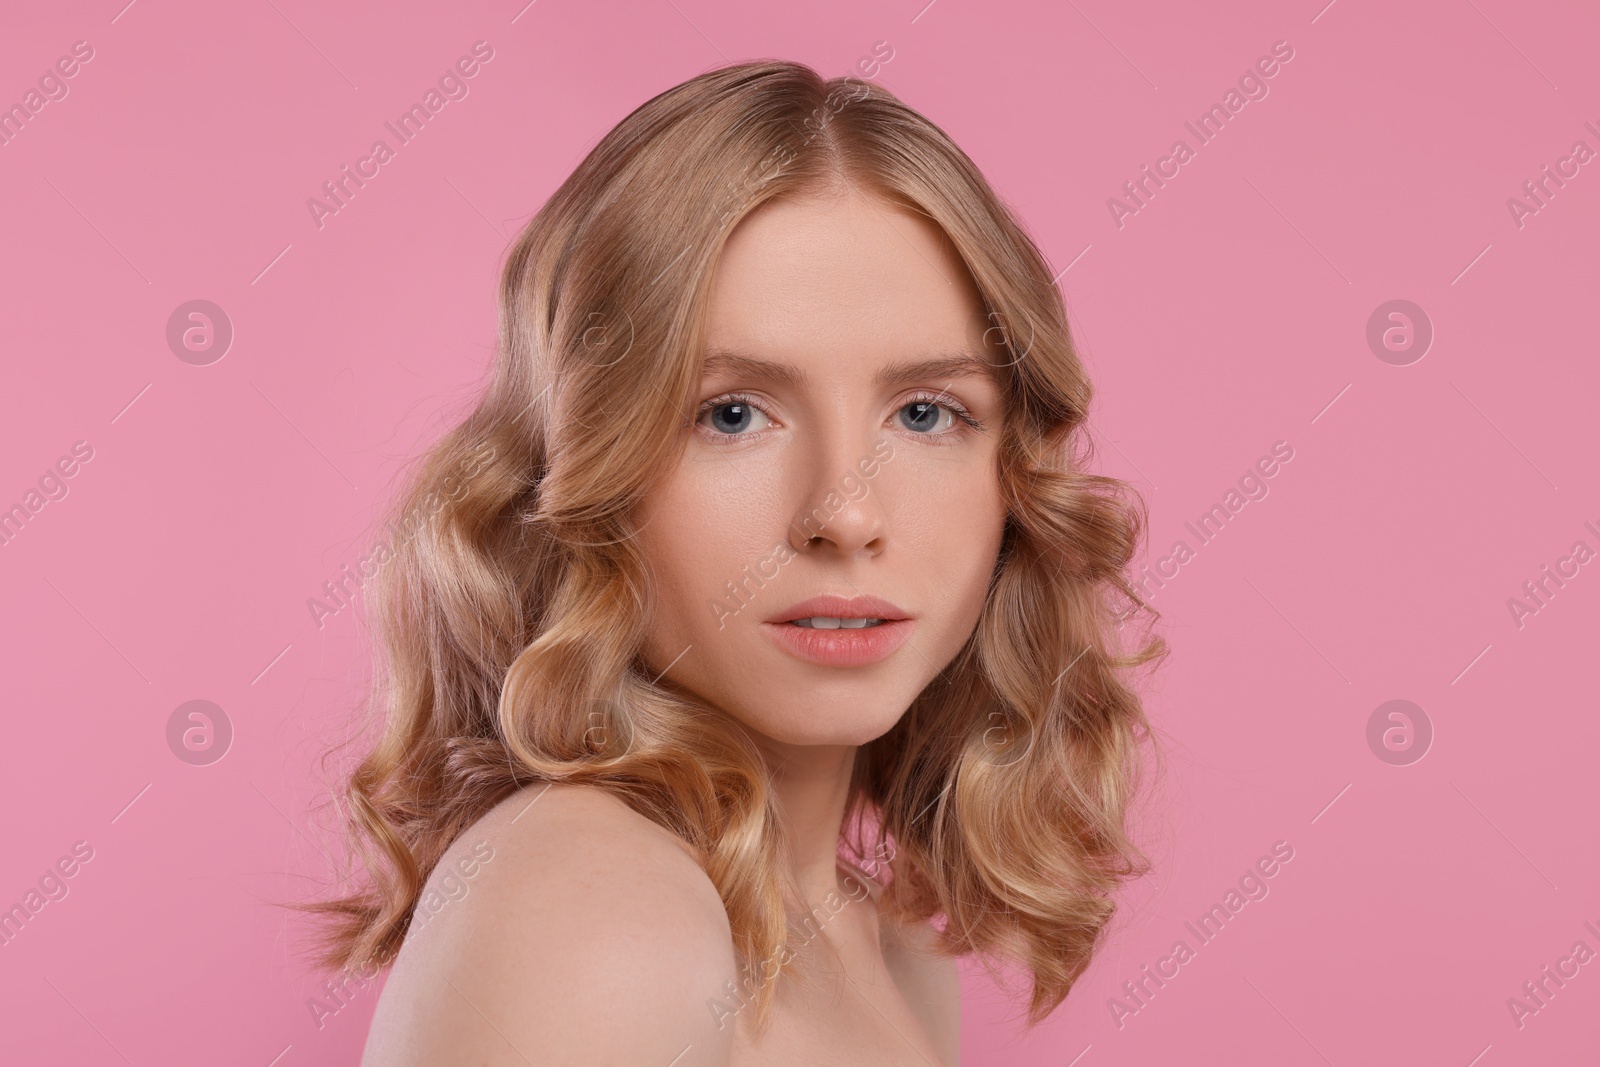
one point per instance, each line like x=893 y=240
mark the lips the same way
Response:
x=841 y=647
x=845 y=646
x=842 y=607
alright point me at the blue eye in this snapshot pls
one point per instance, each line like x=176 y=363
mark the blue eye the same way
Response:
x=732 y=416
x=935 y=415
x=922 y=416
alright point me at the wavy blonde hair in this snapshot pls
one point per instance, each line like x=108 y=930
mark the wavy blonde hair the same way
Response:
x=510 y=624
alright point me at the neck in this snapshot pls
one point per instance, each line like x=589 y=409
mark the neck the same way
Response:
x=812 y=784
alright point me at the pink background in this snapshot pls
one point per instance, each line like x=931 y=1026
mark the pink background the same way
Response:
x=1228 y=314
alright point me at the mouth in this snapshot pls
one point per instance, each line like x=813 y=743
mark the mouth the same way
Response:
x=834 y=622
x=830 y=611
x=837 y=631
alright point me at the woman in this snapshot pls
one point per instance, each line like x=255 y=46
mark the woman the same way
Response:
x=762 y=655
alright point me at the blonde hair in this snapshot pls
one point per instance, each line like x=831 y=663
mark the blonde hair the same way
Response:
x=511 y=624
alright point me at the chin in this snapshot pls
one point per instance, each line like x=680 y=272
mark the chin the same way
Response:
x=839 y=724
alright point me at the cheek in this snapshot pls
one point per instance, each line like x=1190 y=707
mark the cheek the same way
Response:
x=670 y=555
x=697 y=533
x=951 y=520
x=974 y=549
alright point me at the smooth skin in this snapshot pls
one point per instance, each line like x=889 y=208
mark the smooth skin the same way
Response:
x=593 y=936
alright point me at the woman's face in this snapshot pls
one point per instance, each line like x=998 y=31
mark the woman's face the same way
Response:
x=831 y=455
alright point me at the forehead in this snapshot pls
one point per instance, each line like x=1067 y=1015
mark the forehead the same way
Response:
x=841 y=274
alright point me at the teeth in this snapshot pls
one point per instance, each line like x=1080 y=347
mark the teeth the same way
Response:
x=829 y=622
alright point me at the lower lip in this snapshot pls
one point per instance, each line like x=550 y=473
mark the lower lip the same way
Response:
x=841 y=647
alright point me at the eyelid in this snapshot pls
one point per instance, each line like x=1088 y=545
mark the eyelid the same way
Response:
x=941 y=398
x=733 y=396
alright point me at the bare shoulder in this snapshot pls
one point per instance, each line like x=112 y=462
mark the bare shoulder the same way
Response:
x=562 y=927
x=931 y=984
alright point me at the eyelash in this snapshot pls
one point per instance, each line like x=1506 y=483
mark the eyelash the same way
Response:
x=942 y=400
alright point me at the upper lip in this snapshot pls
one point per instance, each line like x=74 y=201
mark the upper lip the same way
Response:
x=832 y=605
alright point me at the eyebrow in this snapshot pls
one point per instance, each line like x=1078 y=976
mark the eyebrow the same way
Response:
x=960 y=365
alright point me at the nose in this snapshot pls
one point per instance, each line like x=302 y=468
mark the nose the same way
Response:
x=840 y=510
